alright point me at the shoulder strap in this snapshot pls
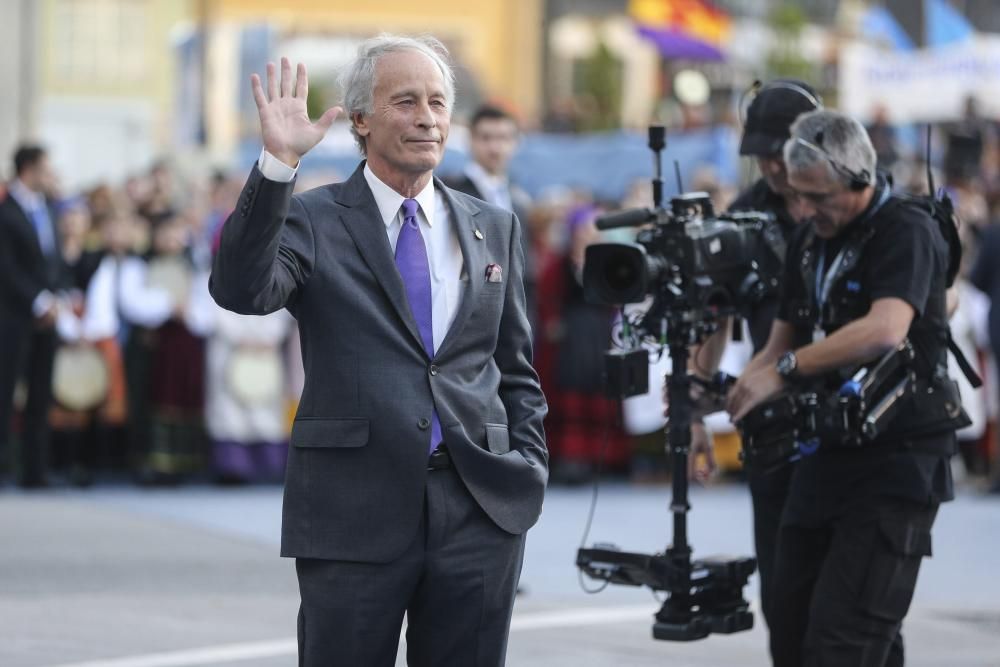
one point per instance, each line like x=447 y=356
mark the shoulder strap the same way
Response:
x=967 y=370
x=942 y=210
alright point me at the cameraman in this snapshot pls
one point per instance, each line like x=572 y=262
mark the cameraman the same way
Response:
x=866 y=271
x=766 y=128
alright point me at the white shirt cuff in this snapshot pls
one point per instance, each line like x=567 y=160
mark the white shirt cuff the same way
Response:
x=68 y=326
x=42 y=303
x=274 y=169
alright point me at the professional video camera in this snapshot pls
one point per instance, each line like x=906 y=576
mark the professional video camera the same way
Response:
x=686 y=258
x=695 y=268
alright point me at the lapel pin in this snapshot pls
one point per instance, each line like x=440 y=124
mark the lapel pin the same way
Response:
x=494 y=273
x=479 y=234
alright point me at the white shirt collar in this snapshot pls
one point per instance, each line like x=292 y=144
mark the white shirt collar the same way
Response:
x=481 y=177
x=390 y=202
x=26 y=197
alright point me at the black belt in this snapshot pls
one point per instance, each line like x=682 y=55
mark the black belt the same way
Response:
x=439 y=459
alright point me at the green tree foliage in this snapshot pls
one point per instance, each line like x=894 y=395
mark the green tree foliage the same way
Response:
x=316 y=101
x=785 y=59
x=600 y=87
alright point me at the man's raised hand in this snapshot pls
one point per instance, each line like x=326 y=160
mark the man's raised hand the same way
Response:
x=285 y=127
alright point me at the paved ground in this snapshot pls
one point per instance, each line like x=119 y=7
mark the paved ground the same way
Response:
x=121 y=577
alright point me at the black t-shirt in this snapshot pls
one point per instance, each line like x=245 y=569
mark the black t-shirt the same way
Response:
x=759 y=197
x=906 y=258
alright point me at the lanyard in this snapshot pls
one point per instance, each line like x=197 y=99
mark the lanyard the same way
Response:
x=824 y=281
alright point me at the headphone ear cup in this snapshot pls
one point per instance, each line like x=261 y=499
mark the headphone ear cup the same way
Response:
x=860 y=181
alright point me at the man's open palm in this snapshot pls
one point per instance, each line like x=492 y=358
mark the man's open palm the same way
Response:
x=287 y=132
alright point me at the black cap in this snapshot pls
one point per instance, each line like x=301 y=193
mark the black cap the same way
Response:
x=771 y=114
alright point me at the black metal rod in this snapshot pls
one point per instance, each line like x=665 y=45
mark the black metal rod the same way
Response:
x=657 y=142
x=679 y=441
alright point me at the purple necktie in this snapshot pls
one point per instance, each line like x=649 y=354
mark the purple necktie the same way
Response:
x=411 y=259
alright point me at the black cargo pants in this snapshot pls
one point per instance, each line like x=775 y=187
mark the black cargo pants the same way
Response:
x=841 y=589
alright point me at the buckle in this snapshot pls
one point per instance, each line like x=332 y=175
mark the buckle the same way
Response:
x=439 y=459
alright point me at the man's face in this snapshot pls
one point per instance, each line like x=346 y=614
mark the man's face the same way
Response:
x=823 y=200
x=40 y=177
x=772 y=168
x=407 y=129
x=492 y=143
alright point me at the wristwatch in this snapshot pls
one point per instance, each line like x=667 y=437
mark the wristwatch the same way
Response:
x=788 y=367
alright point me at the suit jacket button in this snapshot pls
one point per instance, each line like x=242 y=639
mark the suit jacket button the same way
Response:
x=434 y=370
x=424 y=423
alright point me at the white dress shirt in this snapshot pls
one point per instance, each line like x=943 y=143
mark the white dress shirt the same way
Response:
x=119 y=289
x=444 y=254
x=495 y=189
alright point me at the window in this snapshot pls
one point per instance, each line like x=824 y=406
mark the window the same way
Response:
x=99 y=42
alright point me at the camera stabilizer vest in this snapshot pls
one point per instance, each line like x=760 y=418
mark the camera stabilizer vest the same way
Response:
x=927 y=404
x=880 y=403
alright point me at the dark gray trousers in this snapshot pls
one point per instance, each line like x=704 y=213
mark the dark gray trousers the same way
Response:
x=28 y=353
x=455 y=584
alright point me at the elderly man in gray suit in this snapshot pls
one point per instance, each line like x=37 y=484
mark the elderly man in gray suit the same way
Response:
x=417 y=459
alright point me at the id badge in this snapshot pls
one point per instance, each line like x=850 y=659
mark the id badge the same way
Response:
x=818 y=335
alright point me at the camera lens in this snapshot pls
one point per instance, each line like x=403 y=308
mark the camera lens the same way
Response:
x=615 y=273
x=621 y=273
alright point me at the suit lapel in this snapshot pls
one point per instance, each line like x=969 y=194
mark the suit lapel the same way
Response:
x=27 y=226
x=364 y=223
x=463 y=218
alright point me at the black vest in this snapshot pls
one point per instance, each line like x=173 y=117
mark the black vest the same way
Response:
x=935 y=406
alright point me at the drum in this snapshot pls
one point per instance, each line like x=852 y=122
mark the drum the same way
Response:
x=80 y=378
x=255 y=375
x=172 y=274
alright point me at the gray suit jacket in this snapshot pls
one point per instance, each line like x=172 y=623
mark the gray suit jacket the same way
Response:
x=357 y=464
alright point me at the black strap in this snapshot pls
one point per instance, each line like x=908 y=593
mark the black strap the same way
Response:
x=967 y=370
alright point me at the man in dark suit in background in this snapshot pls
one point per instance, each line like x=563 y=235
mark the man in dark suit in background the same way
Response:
x=418 y=459
x=493 y=138
x=31 y=270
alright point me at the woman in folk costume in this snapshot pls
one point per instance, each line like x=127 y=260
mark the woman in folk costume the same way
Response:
x=246 y=396
x=117 y=299
x=251 y=377
x=583 y=427
x=80 y=375
x=170 y=361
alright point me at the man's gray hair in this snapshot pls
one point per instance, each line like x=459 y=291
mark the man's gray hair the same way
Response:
x=834 y=139
x=357 y=79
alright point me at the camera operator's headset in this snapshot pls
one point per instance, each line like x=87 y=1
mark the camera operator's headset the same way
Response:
x=857 y=180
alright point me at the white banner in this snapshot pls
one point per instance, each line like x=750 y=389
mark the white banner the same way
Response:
x=921 y=86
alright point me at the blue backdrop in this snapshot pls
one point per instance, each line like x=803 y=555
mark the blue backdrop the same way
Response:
x=606 y=164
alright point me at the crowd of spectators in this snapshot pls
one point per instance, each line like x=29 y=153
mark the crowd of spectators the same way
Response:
x=151 y=381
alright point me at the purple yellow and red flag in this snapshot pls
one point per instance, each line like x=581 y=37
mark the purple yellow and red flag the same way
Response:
x=688 y=29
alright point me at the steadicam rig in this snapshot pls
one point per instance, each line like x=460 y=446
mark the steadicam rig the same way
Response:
x=696 y=268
